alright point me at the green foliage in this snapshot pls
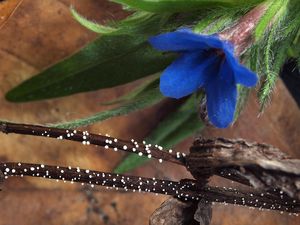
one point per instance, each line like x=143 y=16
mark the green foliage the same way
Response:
x=106 y=62
x=144 y=99
x=125 y=44
x=142 y=23
x=137 y=92
x=274 y=6
x=94 y=67
x=274 y=47
x=214 y=20
x=176 y=127
x=270 y=74
x=162 y=6
x=97 y=28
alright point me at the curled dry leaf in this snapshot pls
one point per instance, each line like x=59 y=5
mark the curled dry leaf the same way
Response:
x=263 y=166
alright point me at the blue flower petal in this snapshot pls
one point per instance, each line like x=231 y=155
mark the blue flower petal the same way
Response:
x=184 y=40
x=242 y=74
x=245 y=76
x=185 y=75
x=221 y=97
x=201 y=64
x=228 y=49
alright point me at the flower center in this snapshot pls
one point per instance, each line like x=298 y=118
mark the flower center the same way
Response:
x=218 y=52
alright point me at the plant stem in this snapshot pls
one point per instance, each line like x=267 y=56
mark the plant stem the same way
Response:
x=240 y=35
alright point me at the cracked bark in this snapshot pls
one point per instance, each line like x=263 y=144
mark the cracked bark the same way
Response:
x=263 y=166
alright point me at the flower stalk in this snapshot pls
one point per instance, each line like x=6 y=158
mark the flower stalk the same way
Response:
x=241 y=34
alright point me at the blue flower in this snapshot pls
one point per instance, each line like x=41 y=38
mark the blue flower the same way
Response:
x=207 y=62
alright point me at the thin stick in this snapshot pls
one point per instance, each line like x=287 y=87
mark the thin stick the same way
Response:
x=142 y=149
x=186 y=190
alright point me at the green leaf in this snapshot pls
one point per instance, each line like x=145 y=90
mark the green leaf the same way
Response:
x=144 y=100
x=94 y=67
x=145 y=23
x=283 y=33
x=218 y=19
x=107 y=62
x=274 y=7
x=214 y=20
x=159 y=6
x=138 y=23
x=98 y=28
x=139 y=91
x=175 y=128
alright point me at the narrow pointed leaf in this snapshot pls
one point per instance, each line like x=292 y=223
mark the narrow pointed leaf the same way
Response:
x=272 y=10
x=148 y=98
x=283 y=33
x=93 y=26
x=139 y=91
x=107 y=62
x=160 y=6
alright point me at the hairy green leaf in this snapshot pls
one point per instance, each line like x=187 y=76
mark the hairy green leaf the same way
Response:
x=107 y=62
x=272 y=9
x=94 y=67
x=282 y=33
x=137 y=92
x=217 y=19
x=160 y=6
x=93 y=26
x=144 y=100
x=143 y=23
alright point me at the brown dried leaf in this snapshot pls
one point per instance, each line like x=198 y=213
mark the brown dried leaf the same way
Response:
x=7 y=8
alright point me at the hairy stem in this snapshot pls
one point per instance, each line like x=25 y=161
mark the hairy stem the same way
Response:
x=240 y=35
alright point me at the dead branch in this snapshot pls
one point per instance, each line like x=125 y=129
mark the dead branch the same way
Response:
x=263 y=166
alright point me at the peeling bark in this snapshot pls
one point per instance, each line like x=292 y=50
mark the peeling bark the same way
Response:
x=174 y=212
x=264 y=166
